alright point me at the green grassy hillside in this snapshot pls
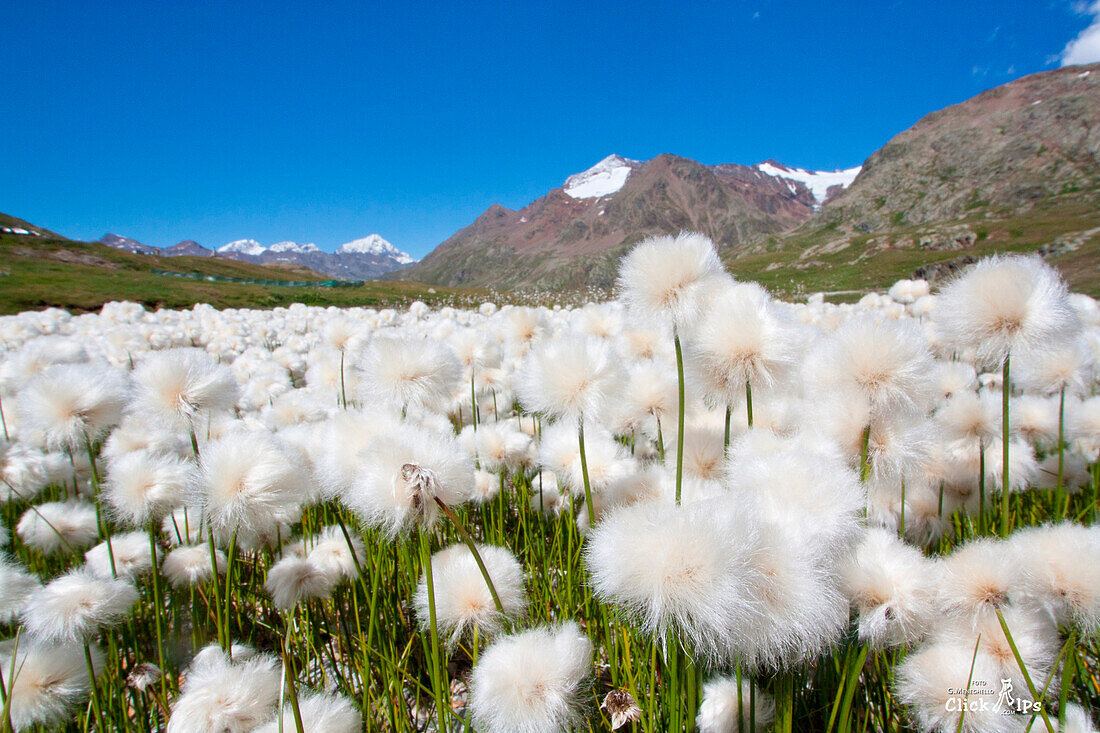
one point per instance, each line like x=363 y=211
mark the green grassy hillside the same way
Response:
x=49 y=271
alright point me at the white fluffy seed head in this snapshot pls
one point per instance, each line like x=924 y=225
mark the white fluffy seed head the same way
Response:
x=75 y=606
x=1061 y=570
x=405 y=372
x=532 y=682
x=1005 y=303
x=131 y=555
x=59 y=526
x=462 y=598
x=933 y=681
x=892 y=589
x=189 y=565
x=402 y=474
x=325 y=712
x=141 y=487
x=568 y=378
x=680 y=571
x=887 y=362
x=664 y=278
x=292 y=580
x=248 y=485
x=741 y=338
x=217 y=695
x=725 y=707
x=51 y=681
x=16 y=583
x=71 y=404
x=181 y=384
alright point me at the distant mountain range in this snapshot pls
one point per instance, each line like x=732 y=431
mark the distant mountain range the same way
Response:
x=1016 y=167
x=364 y=258
x=575 y=234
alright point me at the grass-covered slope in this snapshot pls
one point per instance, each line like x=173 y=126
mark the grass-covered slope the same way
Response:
x=46 y=270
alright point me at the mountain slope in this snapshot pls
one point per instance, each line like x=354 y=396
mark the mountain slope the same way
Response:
x=1014 y=169
x=574 y=235
x=361 y=259
x=42 y=269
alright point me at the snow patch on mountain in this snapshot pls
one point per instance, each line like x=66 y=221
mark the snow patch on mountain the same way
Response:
x=294 y=247
x=602 y=179
x=244 y=247
x=819 y=182
x=375 y=245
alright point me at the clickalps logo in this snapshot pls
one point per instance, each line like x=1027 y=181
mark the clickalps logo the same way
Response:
x=981 y=698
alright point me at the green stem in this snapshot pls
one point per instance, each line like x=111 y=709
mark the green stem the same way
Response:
x=433 y=642
x=158 y=606
x=473 y=550
x=680 y=416
x=473 y=398
x=289 y=675
x=726 y=434
x=3 y=421
x=216 y=592
x=1023 y=669
x=864 y=455
x=1006 y=389
x=1068 y=672
x=97 y=708
x=851 y=684
x=343 y=389
x=784 y=702
x=587 y=484
x=1060 y=490
x=748 y=400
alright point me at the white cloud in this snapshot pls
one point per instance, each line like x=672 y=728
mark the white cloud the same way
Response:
x=1085 y=49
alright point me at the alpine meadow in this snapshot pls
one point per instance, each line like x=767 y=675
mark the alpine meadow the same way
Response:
x=695 y=507
x=570 y=367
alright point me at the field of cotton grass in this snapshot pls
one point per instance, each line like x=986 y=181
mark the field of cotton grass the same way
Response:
x=694 y=507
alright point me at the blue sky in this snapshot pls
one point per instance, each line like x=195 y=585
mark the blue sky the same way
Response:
x=326 y=121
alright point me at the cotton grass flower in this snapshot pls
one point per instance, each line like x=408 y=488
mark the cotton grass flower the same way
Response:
x=217 y=695
x=725 y=707
x=404 y=372
x=329 y=552
x=249 y=485
x=16 y=583
x=59 y=526
x=679 y=571
x=532 y=682
x=292 y=580
x=50 y=682
x=182 y=384
x=73 y=404
x=1005 y=303
x=141 y=487
x=933 y=681
x=462 y=598
x=892 y=588
x=569 y=378
x=741 y=339
x=402 y=475
x=76 y=606
x=886 y=362
x=131 y=555
x=321 y=712
x=1061 y=570
x=190 y=565
x=665 y=277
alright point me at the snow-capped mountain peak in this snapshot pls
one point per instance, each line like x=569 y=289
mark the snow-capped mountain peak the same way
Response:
x=244 y=247
x=375 y=245
x=294 y=247
x=602 y=179
x=819 y=182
